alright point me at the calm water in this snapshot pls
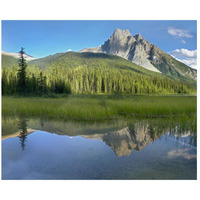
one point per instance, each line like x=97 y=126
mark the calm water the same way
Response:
x=120 y=149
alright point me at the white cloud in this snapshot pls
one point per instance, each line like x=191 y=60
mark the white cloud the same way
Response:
x=180 y=33
x=190 y=62
x=184 y=53
x=69 y=50
x=183 y=41
x=185 y=56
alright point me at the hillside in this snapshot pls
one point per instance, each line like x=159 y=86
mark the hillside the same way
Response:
x=8 y=61
x=91 y=73
x=89 y=60
x=17 y=55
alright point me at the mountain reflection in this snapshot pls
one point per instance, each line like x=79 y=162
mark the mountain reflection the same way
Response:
x=137 y=137
x=130 y=135
x=124 y=141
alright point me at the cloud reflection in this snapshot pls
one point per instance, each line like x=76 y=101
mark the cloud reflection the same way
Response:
x=185 y=153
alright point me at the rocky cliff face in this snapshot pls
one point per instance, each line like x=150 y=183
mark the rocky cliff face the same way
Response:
x=123 y=44
x=141 y=52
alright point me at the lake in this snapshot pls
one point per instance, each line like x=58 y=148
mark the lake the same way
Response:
x=119 y=149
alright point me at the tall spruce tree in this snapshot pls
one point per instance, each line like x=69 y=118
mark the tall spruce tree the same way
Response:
x=21 y=75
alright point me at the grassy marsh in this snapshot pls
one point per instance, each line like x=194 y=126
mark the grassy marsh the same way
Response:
x=100 y=107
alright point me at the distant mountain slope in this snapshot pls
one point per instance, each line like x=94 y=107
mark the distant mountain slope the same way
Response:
x=73 y=60
x=17 y=55
x=46 y=61
x=143 y=53
x=8 y=61
x=12 y=59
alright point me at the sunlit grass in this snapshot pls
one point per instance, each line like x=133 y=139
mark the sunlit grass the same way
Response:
x=100 y=107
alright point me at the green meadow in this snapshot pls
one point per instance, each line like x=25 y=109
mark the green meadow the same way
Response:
x=100 y=107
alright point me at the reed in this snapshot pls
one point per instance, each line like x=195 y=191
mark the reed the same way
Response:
x=100 y=107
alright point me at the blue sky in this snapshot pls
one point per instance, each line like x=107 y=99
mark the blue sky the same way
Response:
x=43 y=38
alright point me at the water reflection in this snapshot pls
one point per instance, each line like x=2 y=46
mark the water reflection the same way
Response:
x=120 y=149
x=42 y=122
x=136 y=137
x=184 y=153
x=122 y=137
x=23 y=133
x=124 y=141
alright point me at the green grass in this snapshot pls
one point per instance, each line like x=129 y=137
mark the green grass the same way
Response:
x=100 y=107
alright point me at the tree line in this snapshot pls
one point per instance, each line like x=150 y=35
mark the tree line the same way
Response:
x=58 y=79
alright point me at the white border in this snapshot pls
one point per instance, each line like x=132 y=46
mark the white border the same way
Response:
x=101 y=10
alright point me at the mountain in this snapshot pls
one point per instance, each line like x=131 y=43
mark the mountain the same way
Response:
x=90 y=60
x=141 y=52
x=12 y=59
x=17 y=55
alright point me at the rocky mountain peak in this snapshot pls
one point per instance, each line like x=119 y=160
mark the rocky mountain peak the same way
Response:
x=123 y=44
x=138 y=36
x=120 y=33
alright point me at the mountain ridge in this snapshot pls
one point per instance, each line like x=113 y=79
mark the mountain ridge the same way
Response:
x=17 y=55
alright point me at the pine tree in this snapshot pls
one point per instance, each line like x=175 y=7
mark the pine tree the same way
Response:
x=21 y=75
